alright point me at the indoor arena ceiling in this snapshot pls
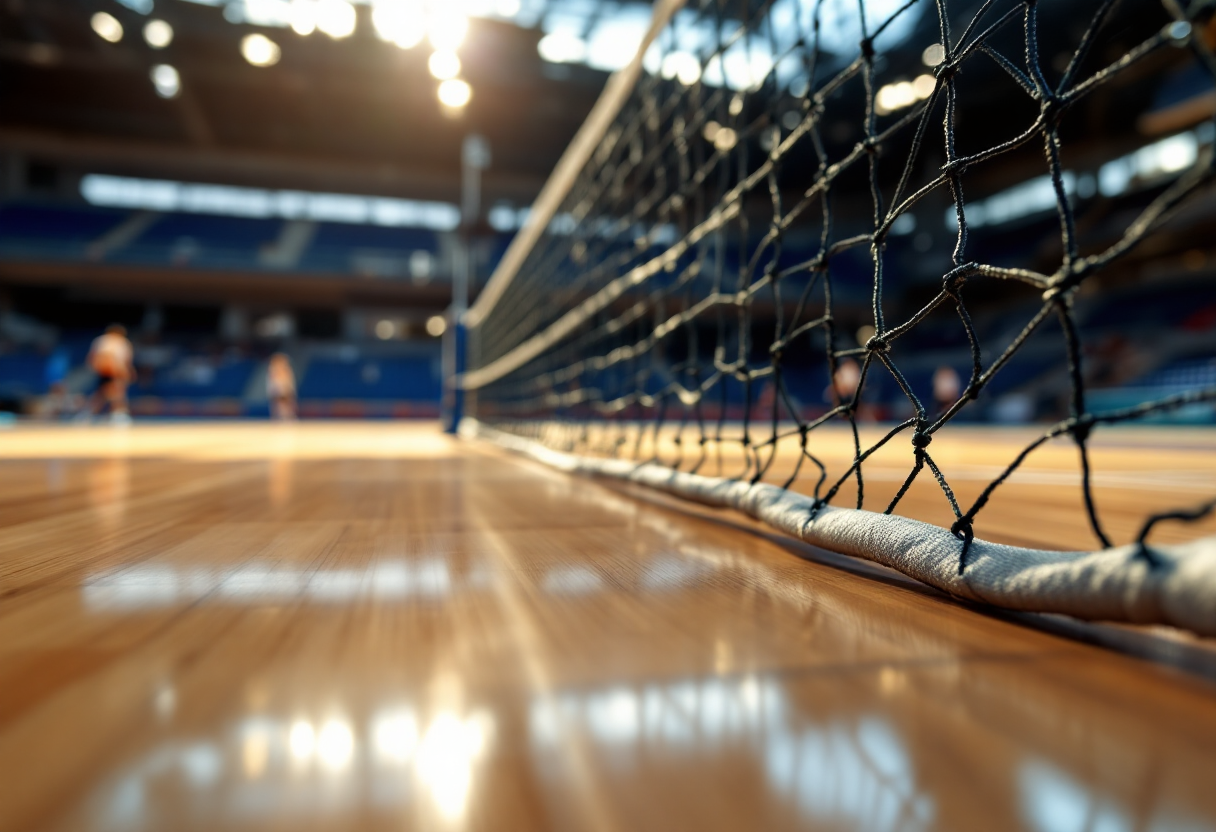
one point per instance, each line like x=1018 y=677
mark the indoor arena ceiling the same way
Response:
x=341 y=98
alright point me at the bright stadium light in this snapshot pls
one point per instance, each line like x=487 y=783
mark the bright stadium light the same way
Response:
x=725 y=138
x=336 y=744
x=933 y=55
x=303 y=16
x=454 y=93
x=158 y=34
x=614 y=38
x=107 y=27
x=302 y=739
x=399 y=21
x=436 y=326
x=447 y=28
x=260 y=50
x=336 y=18
x=903 y=94
x=166 y=80
x=683 y=66
x=444 y=64
x=562 y=48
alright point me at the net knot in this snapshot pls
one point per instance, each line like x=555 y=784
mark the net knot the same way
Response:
x=945 y=70
x=1069 y=279
x=1052 y=109
x=1082 y=427
x=878 y=344
x=963 y=530
x=921 y=440
x=867 y=48
x=954 y=279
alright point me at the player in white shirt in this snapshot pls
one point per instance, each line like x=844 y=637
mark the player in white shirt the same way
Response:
x=111 y=358
x=281 y=387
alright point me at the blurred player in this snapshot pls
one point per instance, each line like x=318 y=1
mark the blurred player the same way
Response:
x=846 y=380
x=281 y=387
x=946 y=388
x=111 y=358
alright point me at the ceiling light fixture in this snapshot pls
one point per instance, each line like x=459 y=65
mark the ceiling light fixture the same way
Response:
x=447 y=29
x=158 y=34
x=260 y=50
x=107 y=27
x=336 y=18
x=455 y=94
x=166 y=80
x=399 y=21
x=444 y=64
x=303 y=16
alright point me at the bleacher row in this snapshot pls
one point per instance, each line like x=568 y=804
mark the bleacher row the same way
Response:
x=79 y=232
x=198 y=383
x=185 y=381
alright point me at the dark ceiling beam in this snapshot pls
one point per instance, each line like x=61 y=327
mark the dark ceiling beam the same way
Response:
x=254 y=168
x=194 y=120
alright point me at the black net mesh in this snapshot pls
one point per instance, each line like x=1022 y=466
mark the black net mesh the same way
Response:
x=832 y=212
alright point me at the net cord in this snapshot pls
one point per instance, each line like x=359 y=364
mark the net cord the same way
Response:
x=1119 y=584
x=618 y=89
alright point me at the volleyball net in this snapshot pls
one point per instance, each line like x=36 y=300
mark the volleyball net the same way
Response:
x=796 y=226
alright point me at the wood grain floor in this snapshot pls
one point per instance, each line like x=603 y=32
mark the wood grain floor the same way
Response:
x=371 y=627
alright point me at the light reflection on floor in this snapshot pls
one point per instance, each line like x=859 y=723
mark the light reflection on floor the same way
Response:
x=273 y=767
x=873 y=720
x=1052 y=801
x=156 y=585
x=161 y=585
x=854 y=772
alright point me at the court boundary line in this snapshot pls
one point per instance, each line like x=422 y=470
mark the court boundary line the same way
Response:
x=1116 y=584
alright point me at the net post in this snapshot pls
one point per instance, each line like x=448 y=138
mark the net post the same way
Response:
x=474 y=158
x=455 y=351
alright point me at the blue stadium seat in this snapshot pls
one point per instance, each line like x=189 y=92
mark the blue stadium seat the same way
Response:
x=338 y=247
x=225 y=380
x=202 y=241
x=402 y=379
x=53 y=232
x=23 y=374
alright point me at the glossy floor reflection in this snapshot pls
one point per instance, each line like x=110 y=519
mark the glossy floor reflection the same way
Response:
x=369 y=627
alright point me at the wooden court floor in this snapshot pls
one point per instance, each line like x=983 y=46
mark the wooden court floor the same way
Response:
x=373 y=627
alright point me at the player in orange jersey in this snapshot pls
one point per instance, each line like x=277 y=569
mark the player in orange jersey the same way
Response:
x=111 y=357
